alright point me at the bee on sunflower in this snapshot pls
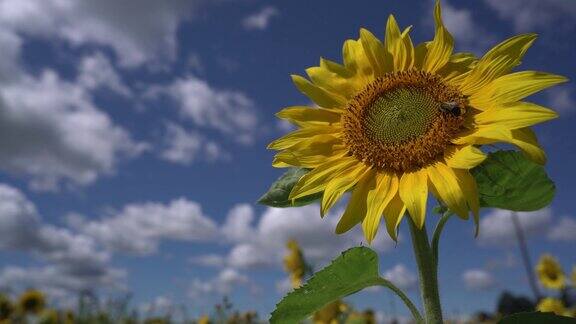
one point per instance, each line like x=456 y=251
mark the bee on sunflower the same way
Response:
x=397 y=121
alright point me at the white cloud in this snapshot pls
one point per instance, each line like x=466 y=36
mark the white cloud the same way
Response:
x=564 y=230
x=184 y=147
x=51 y=131
x=231 y=113
x=478 y=279
x=137 y=30
x=159 y=306
x=74 y=262
x=96 y=71
x=561 y=99
x=469 y=35
x=497 y=228
x=208 y=260
x=261 y=19
x=148 y=223
x=530 y=14
x=222 y=284
x=401 y=276
x=283 y=286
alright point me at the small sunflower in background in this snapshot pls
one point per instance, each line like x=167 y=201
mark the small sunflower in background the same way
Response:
x=294 y=263
x=550 y=272
x=397 y=121
x=553 y=305
x=31 y=301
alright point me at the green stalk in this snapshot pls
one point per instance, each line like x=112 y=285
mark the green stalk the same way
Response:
x=427 y=274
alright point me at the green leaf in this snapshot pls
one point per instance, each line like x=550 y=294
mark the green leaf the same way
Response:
x=508 y=180
x=354 y=270
x=536 y=318
x=277 y=195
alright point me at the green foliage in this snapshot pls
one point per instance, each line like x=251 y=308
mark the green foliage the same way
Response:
x=354 y=270
x=536 y=318
x=277 y=195
x=508 y=180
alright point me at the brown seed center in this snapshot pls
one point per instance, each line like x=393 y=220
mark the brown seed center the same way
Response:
x=400 y=122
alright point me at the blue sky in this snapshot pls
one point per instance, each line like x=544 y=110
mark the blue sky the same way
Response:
x=132 y=147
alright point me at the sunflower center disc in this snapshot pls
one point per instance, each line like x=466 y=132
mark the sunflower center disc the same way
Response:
x=396 y=122
x=400 y=115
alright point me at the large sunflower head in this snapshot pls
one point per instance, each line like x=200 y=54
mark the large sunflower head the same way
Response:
x=397 y=121
x=550 y=272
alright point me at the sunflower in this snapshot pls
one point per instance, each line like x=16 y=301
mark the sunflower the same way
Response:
x=550 y=272
x=294 y=263
x=550 y=304
x=32 y=301
x=397 y=121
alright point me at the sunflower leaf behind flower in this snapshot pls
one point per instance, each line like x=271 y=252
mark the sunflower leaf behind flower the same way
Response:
x=397 y=121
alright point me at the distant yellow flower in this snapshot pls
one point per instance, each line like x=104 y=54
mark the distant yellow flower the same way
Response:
x=204 y=320
x=550 y=272
x=32 y=301
x=397 y=121
x=49 y=316
x=294 y=263
x=329 y=314
x=551 y=305
x=573 y=276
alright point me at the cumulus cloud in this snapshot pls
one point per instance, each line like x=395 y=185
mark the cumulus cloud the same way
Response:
x=231 y=113
x=137 y=30
x=562 y=99
x=401 y=276
x=564 y=230
x=530 y=14
x=263 y=244
x=222 y=284
x=497 y=228
x=96 y=71
x=148 y=224
x=51 y=131
x=74 y=262
x=478 y=279
x=261 y=19
x=184 y=147
x=469 y=35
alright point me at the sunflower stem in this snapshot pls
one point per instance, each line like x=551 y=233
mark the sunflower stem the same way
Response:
x=427 y=274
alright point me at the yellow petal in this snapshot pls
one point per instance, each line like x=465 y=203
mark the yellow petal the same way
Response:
x=441 y=47
x=299 y=135
x=524 y=138
x=420 y=52
x=464 y=157
x=378 y=197
x=304 y=115
x=470 y=190
x=395 y=45
x=458 y=67
x=381 y=60
x=514 y=87
x=356 y=208
x=414 y=193
x=355 y=60
x=447 y=189
x=311 y=152
x=333 y=77
x=498 y=61
x=342 y=182
x=393 y=214
x=410 y=52
x=316 y=180
x=515 y=115
x=320 y=96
